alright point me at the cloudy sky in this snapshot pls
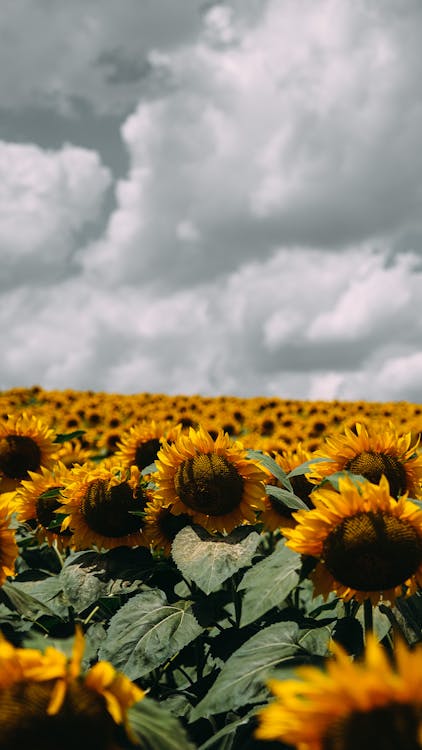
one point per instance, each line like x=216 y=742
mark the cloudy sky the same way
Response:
x=212 y=197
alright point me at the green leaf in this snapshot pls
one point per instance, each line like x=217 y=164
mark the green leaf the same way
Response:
x=228 y=729
x=241 y=681
x=65 y=437
x=26 y=605
x=88 y=576
x=334 y=478
x=147 y=631
x=47 y=591
x=209 y=560
x=269 y=582
x=288 y=499
x=305 y=468
x=156 y=728
x=272 y=466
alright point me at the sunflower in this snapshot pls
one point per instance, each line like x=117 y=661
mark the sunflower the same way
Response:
x=8 y=547
x=372 y=703
x=140 y=444
x=38 y=498
x=162 y=525
x=368 y=544
x=372 y=454
x=26 y=444
x=99 y=504
x=47 y=702
x=210 y=480
x=276 y=516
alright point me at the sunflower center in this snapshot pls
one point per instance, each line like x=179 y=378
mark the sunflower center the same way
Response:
x=209 y=484
x=388 y=728
x=373 y=551
x=107 y=509
x=373 y=465
x=24 y=721
x=18 y=455
x=45 y=507
x=146 y=453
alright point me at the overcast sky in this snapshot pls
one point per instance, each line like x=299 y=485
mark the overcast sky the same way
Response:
x=212 y=197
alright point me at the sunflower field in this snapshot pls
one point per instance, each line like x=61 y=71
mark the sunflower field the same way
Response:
x=192 y=573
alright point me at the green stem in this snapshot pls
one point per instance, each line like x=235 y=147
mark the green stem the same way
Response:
x=368 y=617
x=236 y=601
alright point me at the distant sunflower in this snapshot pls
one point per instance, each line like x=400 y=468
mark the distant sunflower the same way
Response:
x=37 y=500
x=211 y=480
x=98 y=503
x=368 y=704
x=8 y=547
x=140 y=444
x=26 y=444
x=373 y=453
x=276 y=515
x=47 y=702
x=162 y=525
x=369 y=545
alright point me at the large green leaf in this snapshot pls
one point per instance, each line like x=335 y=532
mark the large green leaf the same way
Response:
x=27 y=606
x=272 y=466
x=242 y=679
x=147 y=631
x=286 y=498
x=88 y=576
x=268 y=583
x=156 y=728
x=210 y=560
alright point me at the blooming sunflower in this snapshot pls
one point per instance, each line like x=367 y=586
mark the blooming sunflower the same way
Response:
x=8 y=547
x=368 y=704
x=162 y=525
x=140 y=445
x=373 y=453
x=46 y=702
x=98 y=503
x=210 y=480
x=369 y=545
x=38 y=498
x=26 y=444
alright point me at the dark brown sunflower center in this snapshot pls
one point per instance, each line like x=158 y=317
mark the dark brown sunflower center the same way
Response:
x=388 y=728
x=373 y=551
x=146 y=453
x=45 y=507
x=106 y=510
x=373 y=465
x=24 y=722
x=209 y=484
x=18 y=455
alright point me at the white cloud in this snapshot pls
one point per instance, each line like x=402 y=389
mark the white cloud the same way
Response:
x=259 y=243
x=46 y=198
x=292 y=135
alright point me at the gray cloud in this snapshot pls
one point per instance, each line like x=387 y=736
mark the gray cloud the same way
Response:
x=264 y=232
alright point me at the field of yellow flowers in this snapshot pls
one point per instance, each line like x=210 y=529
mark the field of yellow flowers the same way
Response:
x=192 y=573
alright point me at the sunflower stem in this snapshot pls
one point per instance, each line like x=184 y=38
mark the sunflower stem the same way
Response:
x=236 y=601
x=368 y=617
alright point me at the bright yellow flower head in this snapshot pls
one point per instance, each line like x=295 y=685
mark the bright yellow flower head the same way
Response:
x=99 y=502
x=369 y=545
x=44 y=696
x=211 y=480
x=367 y=705
x=373 y=453
x=26 y=444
